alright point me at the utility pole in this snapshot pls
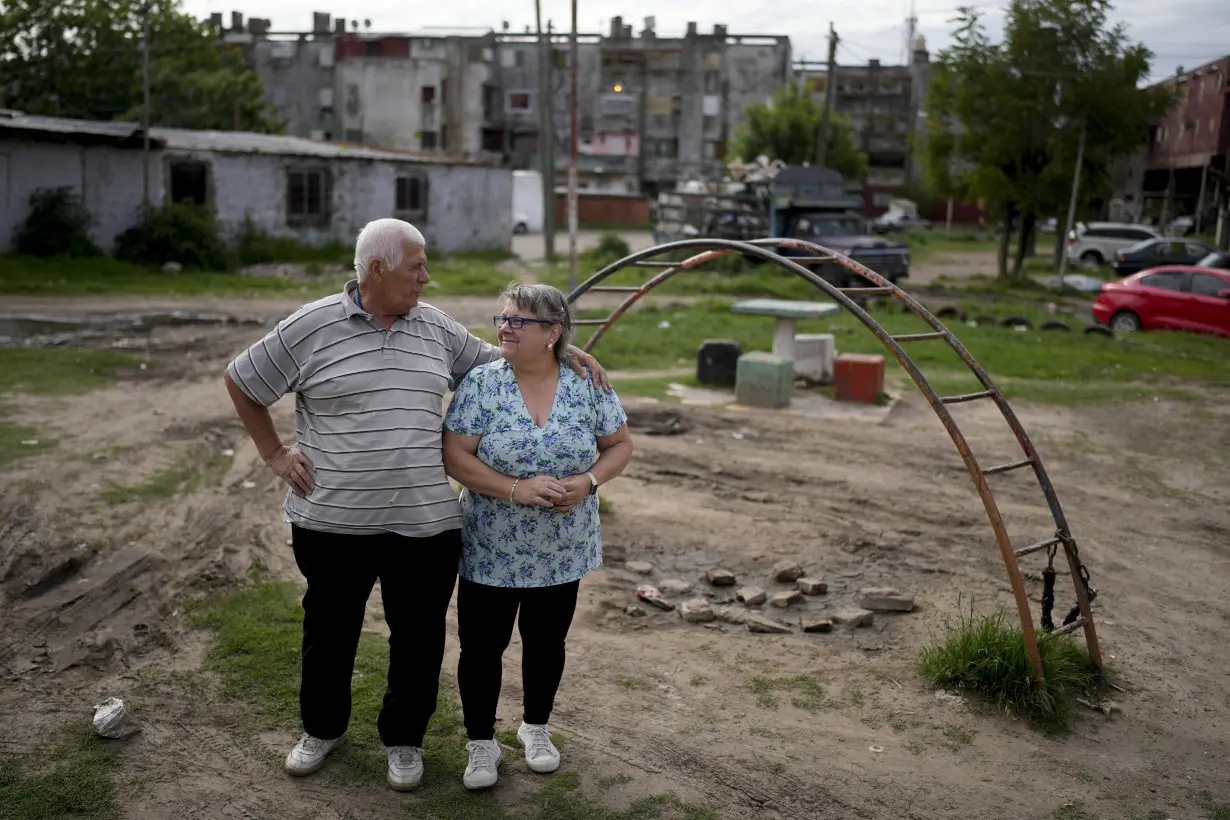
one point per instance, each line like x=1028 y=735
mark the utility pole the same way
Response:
x=546 y=152
x=830 y=93
x=572 y=153
x=1076 y=183
x=145 y=104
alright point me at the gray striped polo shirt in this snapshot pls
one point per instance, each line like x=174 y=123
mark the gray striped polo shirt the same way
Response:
x=368 y=411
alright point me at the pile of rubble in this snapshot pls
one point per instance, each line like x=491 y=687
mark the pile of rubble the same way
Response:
x=716 y=598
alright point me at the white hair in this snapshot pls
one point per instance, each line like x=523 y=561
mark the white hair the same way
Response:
x=383 y=239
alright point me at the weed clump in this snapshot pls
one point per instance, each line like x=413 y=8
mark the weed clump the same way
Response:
x=985 y=655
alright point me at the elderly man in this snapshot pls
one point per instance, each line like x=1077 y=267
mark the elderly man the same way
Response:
x=368 y=496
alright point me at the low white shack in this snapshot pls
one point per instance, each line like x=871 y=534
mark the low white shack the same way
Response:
x=289 y=186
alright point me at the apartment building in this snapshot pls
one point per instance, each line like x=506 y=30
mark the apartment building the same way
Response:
x=428 y=92
x=652 y=110
x=884 y=105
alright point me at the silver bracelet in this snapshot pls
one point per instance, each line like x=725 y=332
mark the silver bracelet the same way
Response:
x=513 y=491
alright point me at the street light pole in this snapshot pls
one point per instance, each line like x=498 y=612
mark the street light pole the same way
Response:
x=572 y=154
x=145 y=104
x=1076 y=184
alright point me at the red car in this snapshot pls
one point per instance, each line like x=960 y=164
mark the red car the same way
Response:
x=1167 y=298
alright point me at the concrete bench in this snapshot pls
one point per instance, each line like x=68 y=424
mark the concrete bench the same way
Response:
x=787 y=313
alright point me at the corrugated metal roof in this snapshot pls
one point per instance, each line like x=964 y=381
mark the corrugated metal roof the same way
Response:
x=229 y=142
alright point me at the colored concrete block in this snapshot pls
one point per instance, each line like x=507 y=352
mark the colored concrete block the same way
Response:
x=764 y=380
x=859 y=377
x=813 y=356
x=717 y=362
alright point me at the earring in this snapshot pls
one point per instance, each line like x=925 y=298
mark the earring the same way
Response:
x=548 y=346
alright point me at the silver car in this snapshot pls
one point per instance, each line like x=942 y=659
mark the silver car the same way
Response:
x=1094 y=244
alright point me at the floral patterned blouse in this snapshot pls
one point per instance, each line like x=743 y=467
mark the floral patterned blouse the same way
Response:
x=505 y=544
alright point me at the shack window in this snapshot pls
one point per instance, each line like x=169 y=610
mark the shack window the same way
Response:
x=307 y=197
x=411 y=194
x=190 y=182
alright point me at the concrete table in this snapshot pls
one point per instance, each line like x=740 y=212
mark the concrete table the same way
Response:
x=786 y=312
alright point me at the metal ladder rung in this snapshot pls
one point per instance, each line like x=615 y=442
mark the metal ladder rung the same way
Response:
x=918 y=337
x=655 y=264
x=810 y=258
x=615 y=289
x=1038 y=547
x=592 y=321
x=867 y=291
x=1003 y=468
x=966 y=397
x=1066 y=628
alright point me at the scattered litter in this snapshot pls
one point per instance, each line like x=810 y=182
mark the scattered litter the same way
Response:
x=1078 y=281
x=653 y=597
x=142 y=365
x=1106 y=707
x=110 y=719
x=247 y=485
x=30 y=442
x=949 y=698
x=876 y=749
x=663 y=325
x=228 y=453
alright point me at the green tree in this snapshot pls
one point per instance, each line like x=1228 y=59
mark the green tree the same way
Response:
x=786 y=129
x=83 y=59
x=1004 y=120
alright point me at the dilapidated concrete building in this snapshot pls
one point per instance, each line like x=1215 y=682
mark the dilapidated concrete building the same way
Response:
x=287 y=186
x=652 y=109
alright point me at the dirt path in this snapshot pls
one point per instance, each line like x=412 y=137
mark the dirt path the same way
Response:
x=92 y=597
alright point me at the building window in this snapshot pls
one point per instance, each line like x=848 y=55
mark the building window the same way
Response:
x=522 y=101
x=371 y=48
x=427 y=140
x=189 y=181
x=307 y=197
x=411 y=196
x=427 y=94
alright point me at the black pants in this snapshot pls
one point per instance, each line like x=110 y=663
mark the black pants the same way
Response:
x=417 y=576
x=485 y=617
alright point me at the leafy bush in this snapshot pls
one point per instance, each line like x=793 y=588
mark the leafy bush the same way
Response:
x=254 y=246
x=180 y=232
x=58 y=225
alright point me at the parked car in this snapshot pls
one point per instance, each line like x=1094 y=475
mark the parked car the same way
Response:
x=1094 y=244
x=1169 y=298
x=1217 y=259
x=1154 y=253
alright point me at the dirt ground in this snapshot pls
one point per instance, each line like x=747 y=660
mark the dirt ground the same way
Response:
x=91 y=593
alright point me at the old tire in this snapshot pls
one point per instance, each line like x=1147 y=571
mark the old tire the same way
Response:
x=1099 y=330
x=1092 y=259
x=1017 y=321
x=985 y=320
x=1125 y=321
x=1055 y=324
x=950 y=312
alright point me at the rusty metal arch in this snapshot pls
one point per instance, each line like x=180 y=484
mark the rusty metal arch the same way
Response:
x=849 y=298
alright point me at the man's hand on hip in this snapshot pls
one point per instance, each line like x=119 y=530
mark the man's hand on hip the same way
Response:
x=294 y=468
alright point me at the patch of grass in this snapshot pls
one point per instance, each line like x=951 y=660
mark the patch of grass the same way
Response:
x=1050 y=366
x=633 y=684
x=608 y=783
x=1214 y=809
x=806 y=692
x=1073 y=810
x=606 y=506
x=654 y=387
x=186 y=474
x=12 y=446
x=257 y=634
x=957 y=736
x=984 y=655
x=52 y=371
x=698 y=680
x=74 y=779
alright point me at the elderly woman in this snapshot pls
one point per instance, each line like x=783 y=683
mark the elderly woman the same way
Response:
x=531 y=441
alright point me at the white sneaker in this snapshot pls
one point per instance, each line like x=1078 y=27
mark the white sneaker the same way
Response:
x=405 y=767
x=309 y=754
x=540 y=752
x=484 y=760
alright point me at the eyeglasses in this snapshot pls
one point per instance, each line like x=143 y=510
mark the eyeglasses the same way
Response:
x=517 y=322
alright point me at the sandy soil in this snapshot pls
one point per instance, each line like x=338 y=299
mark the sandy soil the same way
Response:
x=91 y=594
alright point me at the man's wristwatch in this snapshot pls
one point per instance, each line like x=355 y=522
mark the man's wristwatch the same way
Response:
x=593 y=484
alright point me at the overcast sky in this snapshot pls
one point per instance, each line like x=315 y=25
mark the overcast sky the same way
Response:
x=1180 y=32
